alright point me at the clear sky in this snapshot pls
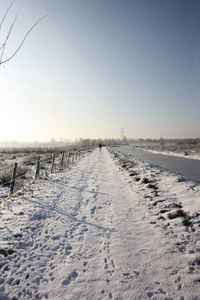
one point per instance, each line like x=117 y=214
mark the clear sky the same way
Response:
x=94 y=66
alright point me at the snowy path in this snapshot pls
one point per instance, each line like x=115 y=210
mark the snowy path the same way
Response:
x=86 y=234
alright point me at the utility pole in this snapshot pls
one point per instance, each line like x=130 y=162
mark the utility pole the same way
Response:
x=122 y=132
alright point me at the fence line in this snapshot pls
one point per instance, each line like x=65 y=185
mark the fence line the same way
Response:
x=16 y=177
x=56 y=163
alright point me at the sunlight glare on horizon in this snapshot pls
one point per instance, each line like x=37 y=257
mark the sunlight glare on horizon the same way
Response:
x=94 y=66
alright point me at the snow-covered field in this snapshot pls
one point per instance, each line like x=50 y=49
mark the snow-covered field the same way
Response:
x=106 y=229
x=190 y=155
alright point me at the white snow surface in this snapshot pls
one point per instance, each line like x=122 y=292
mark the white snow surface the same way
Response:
x=98 y=231
x=192 y=155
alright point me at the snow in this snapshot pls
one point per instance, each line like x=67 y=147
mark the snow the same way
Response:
x=191 y=155
x=101 y=230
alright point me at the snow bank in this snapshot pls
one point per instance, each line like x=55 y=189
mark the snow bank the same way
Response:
x=191 y=155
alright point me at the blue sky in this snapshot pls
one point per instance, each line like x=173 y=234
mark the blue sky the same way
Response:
x=94 y=66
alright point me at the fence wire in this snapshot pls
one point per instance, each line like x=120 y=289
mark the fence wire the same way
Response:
x=60 y=162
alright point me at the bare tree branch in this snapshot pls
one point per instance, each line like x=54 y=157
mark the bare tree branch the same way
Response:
x=6 y=13
x=9 y=32
x=4 y=44
x=2 y=49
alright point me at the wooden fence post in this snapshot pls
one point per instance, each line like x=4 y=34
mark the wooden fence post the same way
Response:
x=62 y=160
x=37 y=173
x=68 y=160
x=76 y=154
x=12 y=186
x=73 y=156
x=53 y=162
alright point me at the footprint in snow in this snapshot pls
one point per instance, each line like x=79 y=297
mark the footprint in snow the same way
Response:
x=68 y=249
x=93 y=210
x=84 y=229
x=110 y=295
x=70 y=278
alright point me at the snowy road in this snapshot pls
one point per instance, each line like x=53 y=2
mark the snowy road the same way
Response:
x=87 y=234
x=189 y=168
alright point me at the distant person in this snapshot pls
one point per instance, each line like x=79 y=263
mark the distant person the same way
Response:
x=100 y=146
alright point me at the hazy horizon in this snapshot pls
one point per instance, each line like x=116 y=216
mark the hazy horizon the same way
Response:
x=92 y=67
x=13 y=143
